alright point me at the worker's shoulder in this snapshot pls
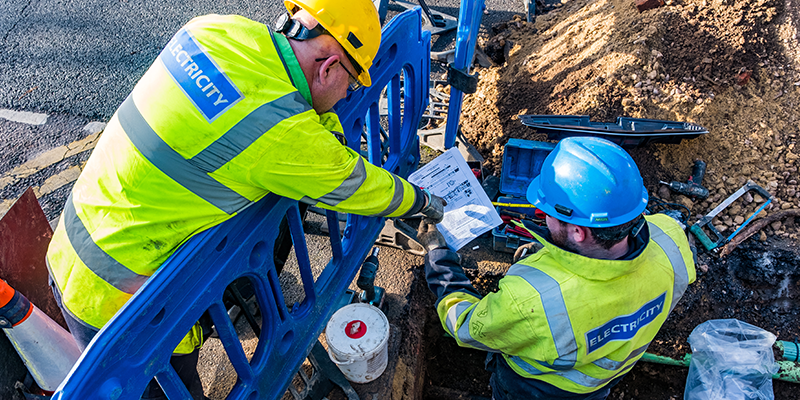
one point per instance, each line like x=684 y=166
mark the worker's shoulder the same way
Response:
x=221 y=19
x=227 y=27
x=668 y=226
x=663 y=222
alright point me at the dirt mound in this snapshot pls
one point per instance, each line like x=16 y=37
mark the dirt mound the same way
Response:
x=731 y=67
x=727 y=66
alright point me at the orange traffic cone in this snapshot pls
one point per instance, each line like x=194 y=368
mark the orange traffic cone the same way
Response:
x=45 y=347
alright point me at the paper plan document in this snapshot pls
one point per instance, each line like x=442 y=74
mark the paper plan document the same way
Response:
x=469 y=212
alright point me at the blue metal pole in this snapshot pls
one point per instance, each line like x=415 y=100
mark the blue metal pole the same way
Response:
x=469 y=22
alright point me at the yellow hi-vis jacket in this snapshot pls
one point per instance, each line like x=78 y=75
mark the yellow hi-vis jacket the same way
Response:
x=222 y=118
x=576 y=322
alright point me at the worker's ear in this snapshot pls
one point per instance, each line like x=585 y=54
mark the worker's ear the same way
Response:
x=578 y=234
x=325 y=72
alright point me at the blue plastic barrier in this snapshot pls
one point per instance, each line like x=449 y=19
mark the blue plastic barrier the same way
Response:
x=137 y=343
x=469 y=22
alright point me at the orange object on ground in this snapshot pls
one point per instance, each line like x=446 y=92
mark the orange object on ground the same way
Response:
x=7 y=296
x=48 y=351
x=6 y=293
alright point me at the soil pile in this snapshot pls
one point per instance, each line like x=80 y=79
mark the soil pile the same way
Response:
x=731 y=67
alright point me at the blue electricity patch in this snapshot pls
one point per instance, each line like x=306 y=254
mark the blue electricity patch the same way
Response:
x=626 y=326
x=209 y=89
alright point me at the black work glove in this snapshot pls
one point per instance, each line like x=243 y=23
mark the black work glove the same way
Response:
x=434 y=207
x=527 y=249
x=429 y=236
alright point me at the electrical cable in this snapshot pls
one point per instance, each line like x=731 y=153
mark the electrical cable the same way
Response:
x=662 y=205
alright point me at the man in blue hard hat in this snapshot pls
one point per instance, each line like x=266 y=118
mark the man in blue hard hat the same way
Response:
x=573 y=317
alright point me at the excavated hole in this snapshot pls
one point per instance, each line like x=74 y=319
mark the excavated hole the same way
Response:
x=772 y=276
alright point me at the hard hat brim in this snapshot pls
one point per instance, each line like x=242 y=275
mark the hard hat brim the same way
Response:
x=535 y=196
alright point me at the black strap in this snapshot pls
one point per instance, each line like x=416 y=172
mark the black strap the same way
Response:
x=638 y=227
x=461 y=80
x=293 y=29
x=340 y=137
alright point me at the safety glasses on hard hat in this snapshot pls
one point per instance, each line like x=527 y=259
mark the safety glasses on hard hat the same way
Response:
x=353 y=83
x=293 y=29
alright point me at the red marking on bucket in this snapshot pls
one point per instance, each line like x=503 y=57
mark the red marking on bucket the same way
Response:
x=355 y=329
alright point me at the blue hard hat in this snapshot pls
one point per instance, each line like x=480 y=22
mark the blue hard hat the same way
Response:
x=589 y=181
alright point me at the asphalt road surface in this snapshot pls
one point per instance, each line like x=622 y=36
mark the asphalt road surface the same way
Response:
x=82 y=57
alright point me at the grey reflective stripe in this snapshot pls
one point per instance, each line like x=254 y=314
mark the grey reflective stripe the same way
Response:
x=308 y=200
x=527 y=367
x=351 y=184
x=585 y=380
x=453 y=313
x=172 y=164
x=463 y=334
x=555 y=309
x=673 y=253
x=248 y=130
x=348 y=187
x=573 y=375
x=397 y=198
x=611 y=365
x=97 y=260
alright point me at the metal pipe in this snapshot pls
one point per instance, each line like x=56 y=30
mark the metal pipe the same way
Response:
x=653 y=358
x=789 y=370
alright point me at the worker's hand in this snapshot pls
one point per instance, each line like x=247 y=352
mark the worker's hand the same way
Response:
x=434 y=207
x=429 y=236
x=527 y=249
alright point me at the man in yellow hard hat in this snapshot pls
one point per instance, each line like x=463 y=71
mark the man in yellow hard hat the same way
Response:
x=229 y=112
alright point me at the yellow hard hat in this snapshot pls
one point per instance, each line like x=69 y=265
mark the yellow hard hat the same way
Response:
x=353 y=23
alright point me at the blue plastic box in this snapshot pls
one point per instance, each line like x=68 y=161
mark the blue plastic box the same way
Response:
x=522 y=161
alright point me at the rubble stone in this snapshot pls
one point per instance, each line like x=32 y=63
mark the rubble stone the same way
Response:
x=644 y=5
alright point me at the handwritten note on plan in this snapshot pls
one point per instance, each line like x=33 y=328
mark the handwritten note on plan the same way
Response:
x=469 y=212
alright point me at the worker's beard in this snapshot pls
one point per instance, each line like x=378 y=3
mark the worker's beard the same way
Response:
x=560 y=238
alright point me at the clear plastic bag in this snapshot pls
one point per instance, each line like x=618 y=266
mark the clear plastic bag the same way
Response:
x=731 y=360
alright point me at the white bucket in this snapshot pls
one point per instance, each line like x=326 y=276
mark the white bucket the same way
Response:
x=357 y=336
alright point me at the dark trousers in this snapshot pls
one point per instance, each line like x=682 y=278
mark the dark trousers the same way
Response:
x=185 y=365
x=508 y=385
